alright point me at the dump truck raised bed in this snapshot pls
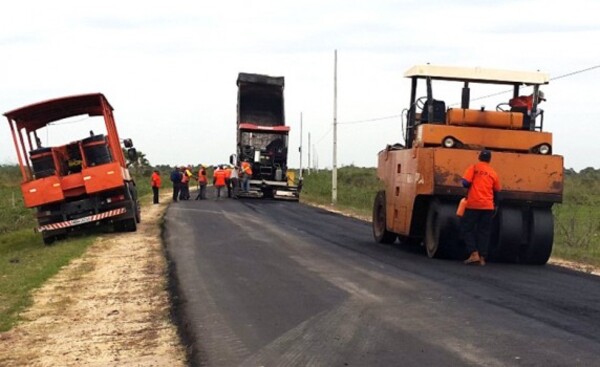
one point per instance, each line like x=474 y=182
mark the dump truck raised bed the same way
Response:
x=422 y=178
x=77 y=184
x=262 y=137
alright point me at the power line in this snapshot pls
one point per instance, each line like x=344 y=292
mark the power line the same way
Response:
x=324 y=135
x=370 y=120
x=555 y=78
x=576 y=72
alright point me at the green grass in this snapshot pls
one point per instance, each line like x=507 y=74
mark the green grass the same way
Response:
x=356 y=188
x=26 y=263
x=577 y=219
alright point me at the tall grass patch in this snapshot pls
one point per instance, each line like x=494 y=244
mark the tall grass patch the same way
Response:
x=357 y=188
x=577 y=219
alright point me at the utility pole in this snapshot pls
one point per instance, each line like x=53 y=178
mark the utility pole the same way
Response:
x=309 y=162
x=334 y=170
x=300 y=149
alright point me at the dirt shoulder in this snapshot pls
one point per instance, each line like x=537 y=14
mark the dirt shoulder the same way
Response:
x=108 y=308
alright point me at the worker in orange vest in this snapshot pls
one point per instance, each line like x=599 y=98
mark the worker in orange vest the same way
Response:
x=202 y=182
x=219 y=179
x=155 y=183
x=246 y=174
x=482 y=198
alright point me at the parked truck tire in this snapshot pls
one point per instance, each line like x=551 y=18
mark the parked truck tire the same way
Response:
x=132 y=192
x=380 y=232
x=126 y=225
x=129 y=224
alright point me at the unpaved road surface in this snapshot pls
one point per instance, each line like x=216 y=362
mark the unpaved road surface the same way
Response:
x=107 y=308
x=266 y=283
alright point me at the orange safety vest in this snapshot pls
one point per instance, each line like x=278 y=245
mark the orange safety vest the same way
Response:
x=246 y=168
x=219 y=178
x=484 y=181
x=185 y=178
x=227 y=172
x=155 y=180
x=202 y=176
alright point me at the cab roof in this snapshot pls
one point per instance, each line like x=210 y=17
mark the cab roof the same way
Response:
x=477 y=75
x=38 y=115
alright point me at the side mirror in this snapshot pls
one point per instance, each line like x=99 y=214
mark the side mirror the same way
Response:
x=132 y=154
x=233 y=159
x=127 y=143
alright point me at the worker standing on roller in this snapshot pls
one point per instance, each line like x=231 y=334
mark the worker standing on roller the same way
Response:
x=483 y=184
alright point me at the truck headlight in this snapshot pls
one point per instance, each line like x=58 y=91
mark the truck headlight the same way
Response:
x=449 y=142
x=544 y=149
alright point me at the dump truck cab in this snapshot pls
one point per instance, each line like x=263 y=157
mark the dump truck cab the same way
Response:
x=78 y=183
x=443 y=136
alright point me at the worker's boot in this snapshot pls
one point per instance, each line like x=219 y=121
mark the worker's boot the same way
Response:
x=474 y=258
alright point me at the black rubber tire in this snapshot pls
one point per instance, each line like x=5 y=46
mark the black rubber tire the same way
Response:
x=48 y=240
x=380 y=232
x=126 y=225
x=441 y=230
x=508 y=232
x=132 y=192
x=541 y=237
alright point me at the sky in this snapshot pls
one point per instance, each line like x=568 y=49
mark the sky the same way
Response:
x=169 y=69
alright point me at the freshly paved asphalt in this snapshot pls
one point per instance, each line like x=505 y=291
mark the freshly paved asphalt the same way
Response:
x=272 y=283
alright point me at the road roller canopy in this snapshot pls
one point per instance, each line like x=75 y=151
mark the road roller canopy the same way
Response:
x=38 y=115
x=477 y=75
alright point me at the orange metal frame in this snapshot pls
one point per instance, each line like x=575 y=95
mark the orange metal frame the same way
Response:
x=26 y=120
x=410 y=173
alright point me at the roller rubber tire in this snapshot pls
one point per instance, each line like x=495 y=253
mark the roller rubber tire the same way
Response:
x=380 y=232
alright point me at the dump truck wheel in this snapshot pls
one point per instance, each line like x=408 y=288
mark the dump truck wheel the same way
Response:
x=48 y=240
x=132 y=192
x=541 y=237
x=507 y=240
x=380 y=232
x=439 y=239
x=126 y=225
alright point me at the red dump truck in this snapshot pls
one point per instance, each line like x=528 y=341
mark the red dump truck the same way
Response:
x=80 y=183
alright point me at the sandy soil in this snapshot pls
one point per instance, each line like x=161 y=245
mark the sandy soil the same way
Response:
x=108 y=308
